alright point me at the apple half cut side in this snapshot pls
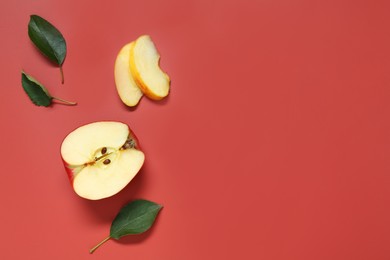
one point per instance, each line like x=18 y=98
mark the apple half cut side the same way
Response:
x=101 y=158
x=145 y=67
x=127 y=88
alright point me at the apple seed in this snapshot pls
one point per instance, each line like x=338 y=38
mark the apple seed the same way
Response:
x=104 y=150
x=106 y=161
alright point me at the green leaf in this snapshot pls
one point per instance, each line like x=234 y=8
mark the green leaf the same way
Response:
x=38 y=94
x=134 y=218
x=47 y=39
x=35 y=91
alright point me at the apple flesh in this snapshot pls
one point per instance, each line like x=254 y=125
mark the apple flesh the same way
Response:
x=145 y=68
x=101 y=158
x=127 y=88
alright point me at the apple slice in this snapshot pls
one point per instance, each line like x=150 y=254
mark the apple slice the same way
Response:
x=144 y=64
x=101 y=158
x=127 y=88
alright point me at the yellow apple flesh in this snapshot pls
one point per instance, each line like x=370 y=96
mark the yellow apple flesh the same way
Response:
x=145 y=68
x=127 y=88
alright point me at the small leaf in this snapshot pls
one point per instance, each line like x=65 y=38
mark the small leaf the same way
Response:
x=134 y=218
x=36 y=92
x=47 y=39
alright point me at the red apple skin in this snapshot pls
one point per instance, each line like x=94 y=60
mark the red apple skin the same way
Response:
x=70 y=172
x=137 y=145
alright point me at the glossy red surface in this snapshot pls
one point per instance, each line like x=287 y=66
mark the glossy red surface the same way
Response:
x=273 y=143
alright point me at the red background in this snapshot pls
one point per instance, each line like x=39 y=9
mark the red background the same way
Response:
x=273 y=143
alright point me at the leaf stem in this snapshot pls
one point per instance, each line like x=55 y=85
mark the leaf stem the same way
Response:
x=65 y=102
x=62 y=74
x=101 y=243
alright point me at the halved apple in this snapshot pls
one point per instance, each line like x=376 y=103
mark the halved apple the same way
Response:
x=145 y=67
x=101 y=158
x=127 y=88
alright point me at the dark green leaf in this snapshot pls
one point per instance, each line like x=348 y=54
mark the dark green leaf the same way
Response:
x=39 y=94
x=47 y=38
x=134 y=218
x=36 y=92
